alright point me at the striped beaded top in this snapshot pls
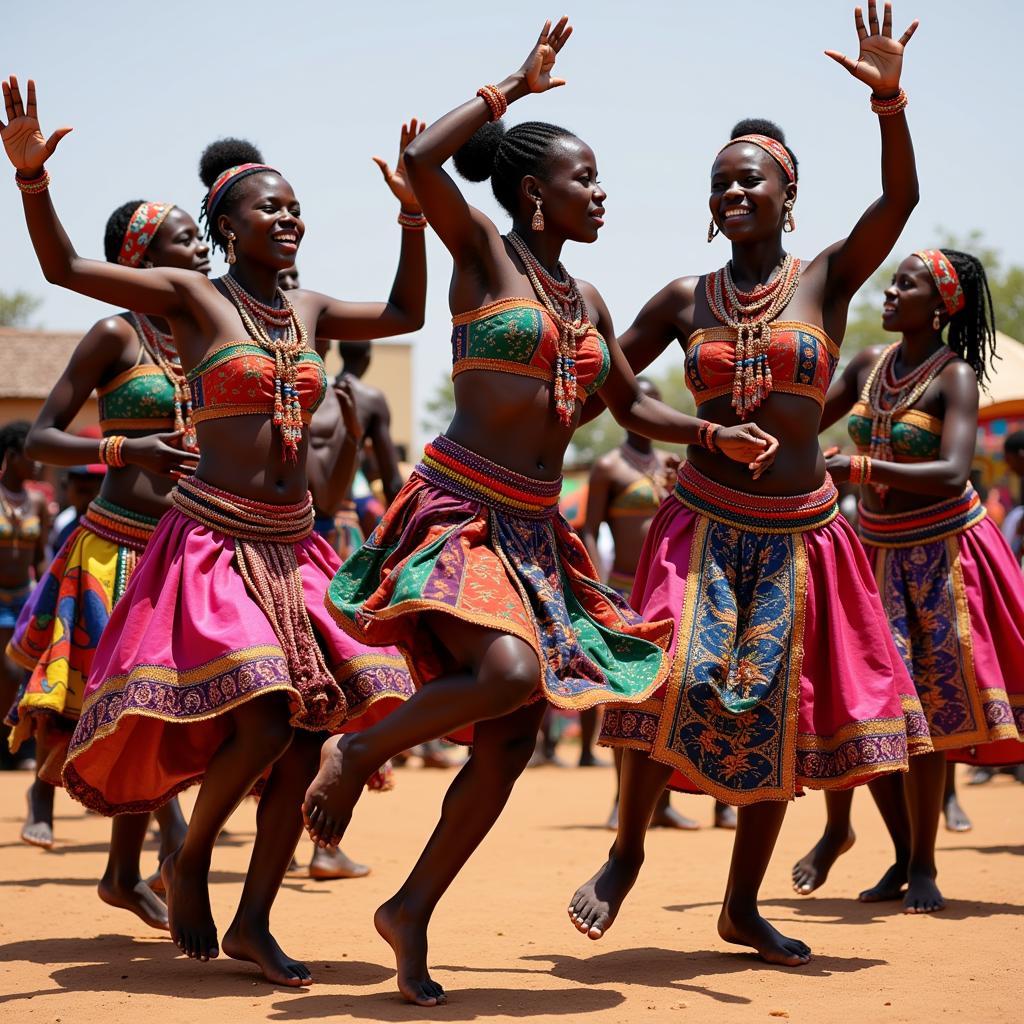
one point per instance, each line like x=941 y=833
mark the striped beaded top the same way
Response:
x=916 y=436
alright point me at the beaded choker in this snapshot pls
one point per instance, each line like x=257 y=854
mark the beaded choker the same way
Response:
x=751 y=314
x=562 y=299
x=887 y=395
x=259 y=320
x=160 y=348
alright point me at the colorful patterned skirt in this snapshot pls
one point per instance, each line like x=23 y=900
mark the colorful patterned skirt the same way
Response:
x=57 y=633
x=226 y=605
x=784 y=673
x=474 y=541
x=955 y=600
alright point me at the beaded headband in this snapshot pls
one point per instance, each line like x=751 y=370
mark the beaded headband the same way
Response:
x=142 y=228
x=775 y=149
x=945 y=277
x=227 y=178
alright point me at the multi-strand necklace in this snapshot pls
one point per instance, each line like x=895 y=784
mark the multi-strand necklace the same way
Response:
x=14 y=506
x=647 y=464
x=562 y=299
x=887 y=396
x=260 y=320
x=750 y=315
x=161 y=349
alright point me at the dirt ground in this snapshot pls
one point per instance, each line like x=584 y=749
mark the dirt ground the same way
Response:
x=502 y=945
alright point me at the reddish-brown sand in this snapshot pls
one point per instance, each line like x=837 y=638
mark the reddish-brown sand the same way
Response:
x=502 y=944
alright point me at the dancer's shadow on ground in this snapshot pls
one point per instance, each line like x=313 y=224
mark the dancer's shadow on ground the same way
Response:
x=63 y=849
x=127 y=965
x=295 y=883
x=1016 y=851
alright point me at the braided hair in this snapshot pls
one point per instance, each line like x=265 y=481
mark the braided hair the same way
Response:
x=12 y=437
x=761 y=126
x=217 y=158
x=972 y=329
x=506 y=156
x=117 y=225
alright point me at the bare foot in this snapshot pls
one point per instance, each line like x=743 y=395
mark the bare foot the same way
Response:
x=136 y=897
x=328 y=864
x=597 y=903
x=156 y=883
x=771 y=945
x=923 y=896
x=192 y=927
x=332 y=795
x=38 y=827
x=888 y=887
x=811 y=871
x=669 y=817
x=956 y=816
x=588 y=759
x=725 y=815
x=407 y=938
x=257 y=946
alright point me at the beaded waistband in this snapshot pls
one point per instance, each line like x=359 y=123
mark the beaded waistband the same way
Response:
x=933 y=522
x=453 y=468
x=119 y=525
x=240 y=517
x=756 y=513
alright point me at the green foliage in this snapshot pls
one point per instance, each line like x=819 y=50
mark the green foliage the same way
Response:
x=16 y=308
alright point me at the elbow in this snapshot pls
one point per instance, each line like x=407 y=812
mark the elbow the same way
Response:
x=33 y=447
x=414 y=159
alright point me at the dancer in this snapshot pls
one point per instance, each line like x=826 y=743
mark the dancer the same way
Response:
x=784 y=674
x=472 y=573
x=952 y=591
x=220 y=642
x=130 y=362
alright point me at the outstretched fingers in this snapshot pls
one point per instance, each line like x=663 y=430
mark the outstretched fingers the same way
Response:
x=15 y=90
x=858 y=21
x=873 y=17
x=909 y=34
x=840 y=58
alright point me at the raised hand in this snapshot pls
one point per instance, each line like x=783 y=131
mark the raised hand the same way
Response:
x=397 y=179
x=23 y=140
x=538 y=66
x=747 y=442
x=880 y=60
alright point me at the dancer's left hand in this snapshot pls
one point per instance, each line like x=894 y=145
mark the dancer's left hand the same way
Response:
x=838 y=466
x=27 y=148
x=397 y=179
x=880 y=60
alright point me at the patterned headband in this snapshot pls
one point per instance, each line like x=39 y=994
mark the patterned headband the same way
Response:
x=142 y=228
x=775 y=149
x=226 y=179
x=945 y=277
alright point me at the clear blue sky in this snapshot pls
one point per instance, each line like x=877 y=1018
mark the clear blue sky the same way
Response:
x=654 y=87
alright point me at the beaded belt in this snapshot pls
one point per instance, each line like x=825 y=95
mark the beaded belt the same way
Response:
x=455 y=469
x=243 y=517
x=933 y=522
x=119 y=525
x=756 y=513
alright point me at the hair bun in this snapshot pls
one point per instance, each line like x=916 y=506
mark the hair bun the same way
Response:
x=758 y=126
x=224 y=153
x=474 y=160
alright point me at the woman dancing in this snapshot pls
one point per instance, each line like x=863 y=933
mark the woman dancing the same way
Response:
x=220 y=644
x=784 y=675
x=472 y=574
x=952 y=591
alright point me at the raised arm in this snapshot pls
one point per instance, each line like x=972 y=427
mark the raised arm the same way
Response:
x=155 y=291
x=879 y=65
x=845 y=389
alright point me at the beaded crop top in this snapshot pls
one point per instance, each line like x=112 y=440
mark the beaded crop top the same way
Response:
x=640 y=499
x=801 y=357
x=519 y=336
x=916 y=436
x=237 y=379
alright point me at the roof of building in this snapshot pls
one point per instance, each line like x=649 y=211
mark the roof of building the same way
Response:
x=31 y=361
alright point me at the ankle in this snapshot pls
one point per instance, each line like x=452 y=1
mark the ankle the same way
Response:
x=626 y=855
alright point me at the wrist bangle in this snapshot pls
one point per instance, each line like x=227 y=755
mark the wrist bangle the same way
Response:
x=495 y=100
x=890 y=106
x=860 y=469
x=412 y=221
x=110 y=451
x=706 y=434
x=33 y=186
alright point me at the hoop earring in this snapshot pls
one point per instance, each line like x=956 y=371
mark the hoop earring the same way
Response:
x=712 y=230
x=537 y=223
x=231 y=249
x=936 y=322
x=790 y=222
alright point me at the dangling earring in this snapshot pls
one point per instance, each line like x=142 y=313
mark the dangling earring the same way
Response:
x=537 y=224
x=790 y=222
x=231 y=249
x=936 y=322
x=712 y=230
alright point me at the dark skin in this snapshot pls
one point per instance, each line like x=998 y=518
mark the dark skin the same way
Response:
x=911 y=810
x=242 y=455
x=748 y=193
x=509 y=420
x=154 y=461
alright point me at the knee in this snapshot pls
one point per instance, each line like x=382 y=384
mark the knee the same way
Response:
x=511 y=668
x=267 y=721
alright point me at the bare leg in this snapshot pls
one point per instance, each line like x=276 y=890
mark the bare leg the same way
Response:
x=956 y=816
x=596 y=903
x=613 y=818
x=891 y=801
x=327 y=865
x=811 y=871
x=475 y=799
x=725 y=815
x=589 y=723
x=666 y=816
x=38 y=827
x=122 y=885
x=925 y=783
x=261 y=734
x=741 y=921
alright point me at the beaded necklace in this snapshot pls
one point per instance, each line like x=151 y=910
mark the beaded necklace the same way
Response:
x=14 y=510
x=647 y=465
x=259 y=320
x=750 y=315
x=888 y=395
x=160 y=348
x=562 y=299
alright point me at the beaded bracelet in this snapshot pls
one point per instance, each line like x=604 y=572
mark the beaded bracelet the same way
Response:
x=110 y=451
x=706 y=433
x=891 y=105
x=494 y=99
x=860 y=469
x=412 y=221
x=33 y=186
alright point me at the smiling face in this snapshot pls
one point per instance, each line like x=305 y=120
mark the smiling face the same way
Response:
x=748 y=190
x=912 y=299
x=265 y=219
x=179 y=244
x=573 y=199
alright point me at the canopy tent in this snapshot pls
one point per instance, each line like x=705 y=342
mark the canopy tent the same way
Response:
x=1001 y=412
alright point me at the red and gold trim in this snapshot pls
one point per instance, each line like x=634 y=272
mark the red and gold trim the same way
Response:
x=946 y=279
x=142 y=228
x=775 y=149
